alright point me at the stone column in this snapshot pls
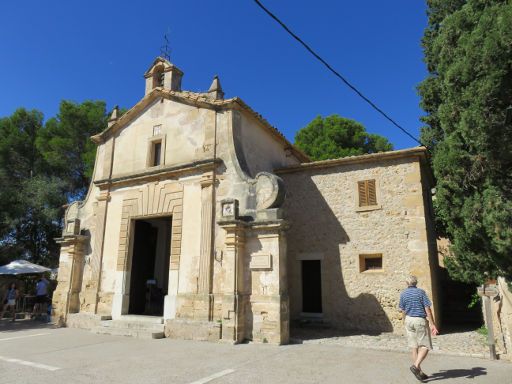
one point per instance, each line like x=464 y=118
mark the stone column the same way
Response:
x=66 y=295
x=233 y=322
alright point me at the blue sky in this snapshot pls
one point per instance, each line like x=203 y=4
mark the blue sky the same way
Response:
x=79 y=50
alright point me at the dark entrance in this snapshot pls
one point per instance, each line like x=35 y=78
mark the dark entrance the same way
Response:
x=150 y=266
x=455 y=299
x=311 y=286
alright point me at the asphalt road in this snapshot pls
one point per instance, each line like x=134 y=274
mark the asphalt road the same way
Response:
x=34 y=353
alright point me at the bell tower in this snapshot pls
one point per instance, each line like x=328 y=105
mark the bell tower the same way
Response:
x=163 y=74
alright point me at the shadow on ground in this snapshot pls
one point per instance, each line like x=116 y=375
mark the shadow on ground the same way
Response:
x=458 y=328
x=6 y=325
x=300 y=333
x=457 y=373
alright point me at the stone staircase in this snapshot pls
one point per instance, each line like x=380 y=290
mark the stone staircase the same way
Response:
x=142 y=327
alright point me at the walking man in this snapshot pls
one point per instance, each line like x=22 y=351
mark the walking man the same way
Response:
x=415 y=306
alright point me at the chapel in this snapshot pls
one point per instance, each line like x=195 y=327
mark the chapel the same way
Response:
x=203 y=222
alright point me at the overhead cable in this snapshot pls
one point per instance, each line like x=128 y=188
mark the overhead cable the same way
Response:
x=336 y=73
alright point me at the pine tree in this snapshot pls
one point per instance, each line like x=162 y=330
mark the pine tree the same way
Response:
x=468 y=52
x=334 y=136
x=30 y=199
x=66 y=146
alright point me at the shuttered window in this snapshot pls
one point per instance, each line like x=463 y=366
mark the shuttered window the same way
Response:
x=367 y=193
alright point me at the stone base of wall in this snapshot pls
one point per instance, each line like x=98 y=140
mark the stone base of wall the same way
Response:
x=193 y=306
x=193 y=330
x=270 y=322
x=59 y=299
x=105 y=302
x=85 y=320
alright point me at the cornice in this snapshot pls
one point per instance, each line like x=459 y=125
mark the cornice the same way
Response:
x=158 y=173
x=415 y=152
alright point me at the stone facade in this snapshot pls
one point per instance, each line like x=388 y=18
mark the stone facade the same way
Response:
x=327 y=224
x=185 y=186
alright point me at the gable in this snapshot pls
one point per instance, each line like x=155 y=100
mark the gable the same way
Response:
x=177 y=128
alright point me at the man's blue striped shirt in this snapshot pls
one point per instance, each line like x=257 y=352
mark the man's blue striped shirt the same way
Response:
x=413 y=302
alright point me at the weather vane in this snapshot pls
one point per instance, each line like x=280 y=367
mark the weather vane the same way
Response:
x=165 y=50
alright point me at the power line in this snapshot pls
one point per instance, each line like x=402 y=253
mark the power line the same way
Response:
x=336 y=73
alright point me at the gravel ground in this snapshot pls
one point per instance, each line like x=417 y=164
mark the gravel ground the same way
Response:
x=462 y=343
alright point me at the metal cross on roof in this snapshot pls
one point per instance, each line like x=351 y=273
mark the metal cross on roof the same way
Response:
x=165 y=50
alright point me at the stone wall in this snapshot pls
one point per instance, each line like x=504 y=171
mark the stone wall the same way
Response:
x=259 y=151
x=328 y=225
x=181 y=128
x=501 y=309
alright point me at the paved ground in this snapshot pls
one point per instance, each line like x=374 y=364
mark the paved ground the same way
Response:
x=34 y=353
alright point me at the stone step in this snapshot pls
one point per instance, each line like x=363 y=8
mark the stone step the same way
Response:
x=312 y=322
x=141 y=318
x=130 y=332
x=142 y=327
x=136 y=325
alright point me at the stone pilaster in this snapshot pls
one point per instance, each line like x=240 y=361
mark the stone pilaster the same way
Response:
x=71 y=262
x=205 y=261
x=206 y=236
x=233 y=306
x=269 y=300
x=93 y=285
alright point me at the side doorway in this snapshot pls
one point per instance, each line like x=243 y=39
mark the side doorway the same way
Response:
x=311 y=286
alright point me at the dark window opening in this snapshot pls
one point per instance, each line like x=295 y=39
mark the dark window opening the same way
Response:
x=370 y=262
x=157 y=152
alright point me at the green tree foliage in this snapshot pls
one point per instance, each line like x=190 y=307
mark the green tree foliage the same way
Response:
x=66 y=146
x=468 y=52
x=42 y=167
x=29 y=198
x=334 y=136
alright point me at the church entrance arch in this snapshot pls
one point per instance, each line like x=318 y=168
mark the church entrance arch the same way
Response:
x=151 y=204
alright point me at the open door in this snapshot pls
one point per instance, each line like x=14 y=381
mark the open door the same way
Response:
x=311 y=286
x=150 y=266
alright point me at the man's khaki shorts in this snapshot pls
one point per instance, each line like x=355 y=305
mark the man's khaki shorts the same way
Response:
x=418 y=332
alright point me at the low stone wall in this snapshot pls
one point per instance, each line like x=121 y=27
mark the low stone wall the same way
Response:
x=501 y=307
x=193 y=330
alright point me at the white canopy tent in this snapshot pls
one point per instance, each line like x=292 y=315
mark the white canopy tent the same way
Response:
x=22 y=267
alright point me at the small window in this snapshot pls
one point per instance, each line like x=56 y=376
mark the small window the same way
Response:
x=370 y=262
x=157 y=130
x=157 y=153
x=367 y=193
